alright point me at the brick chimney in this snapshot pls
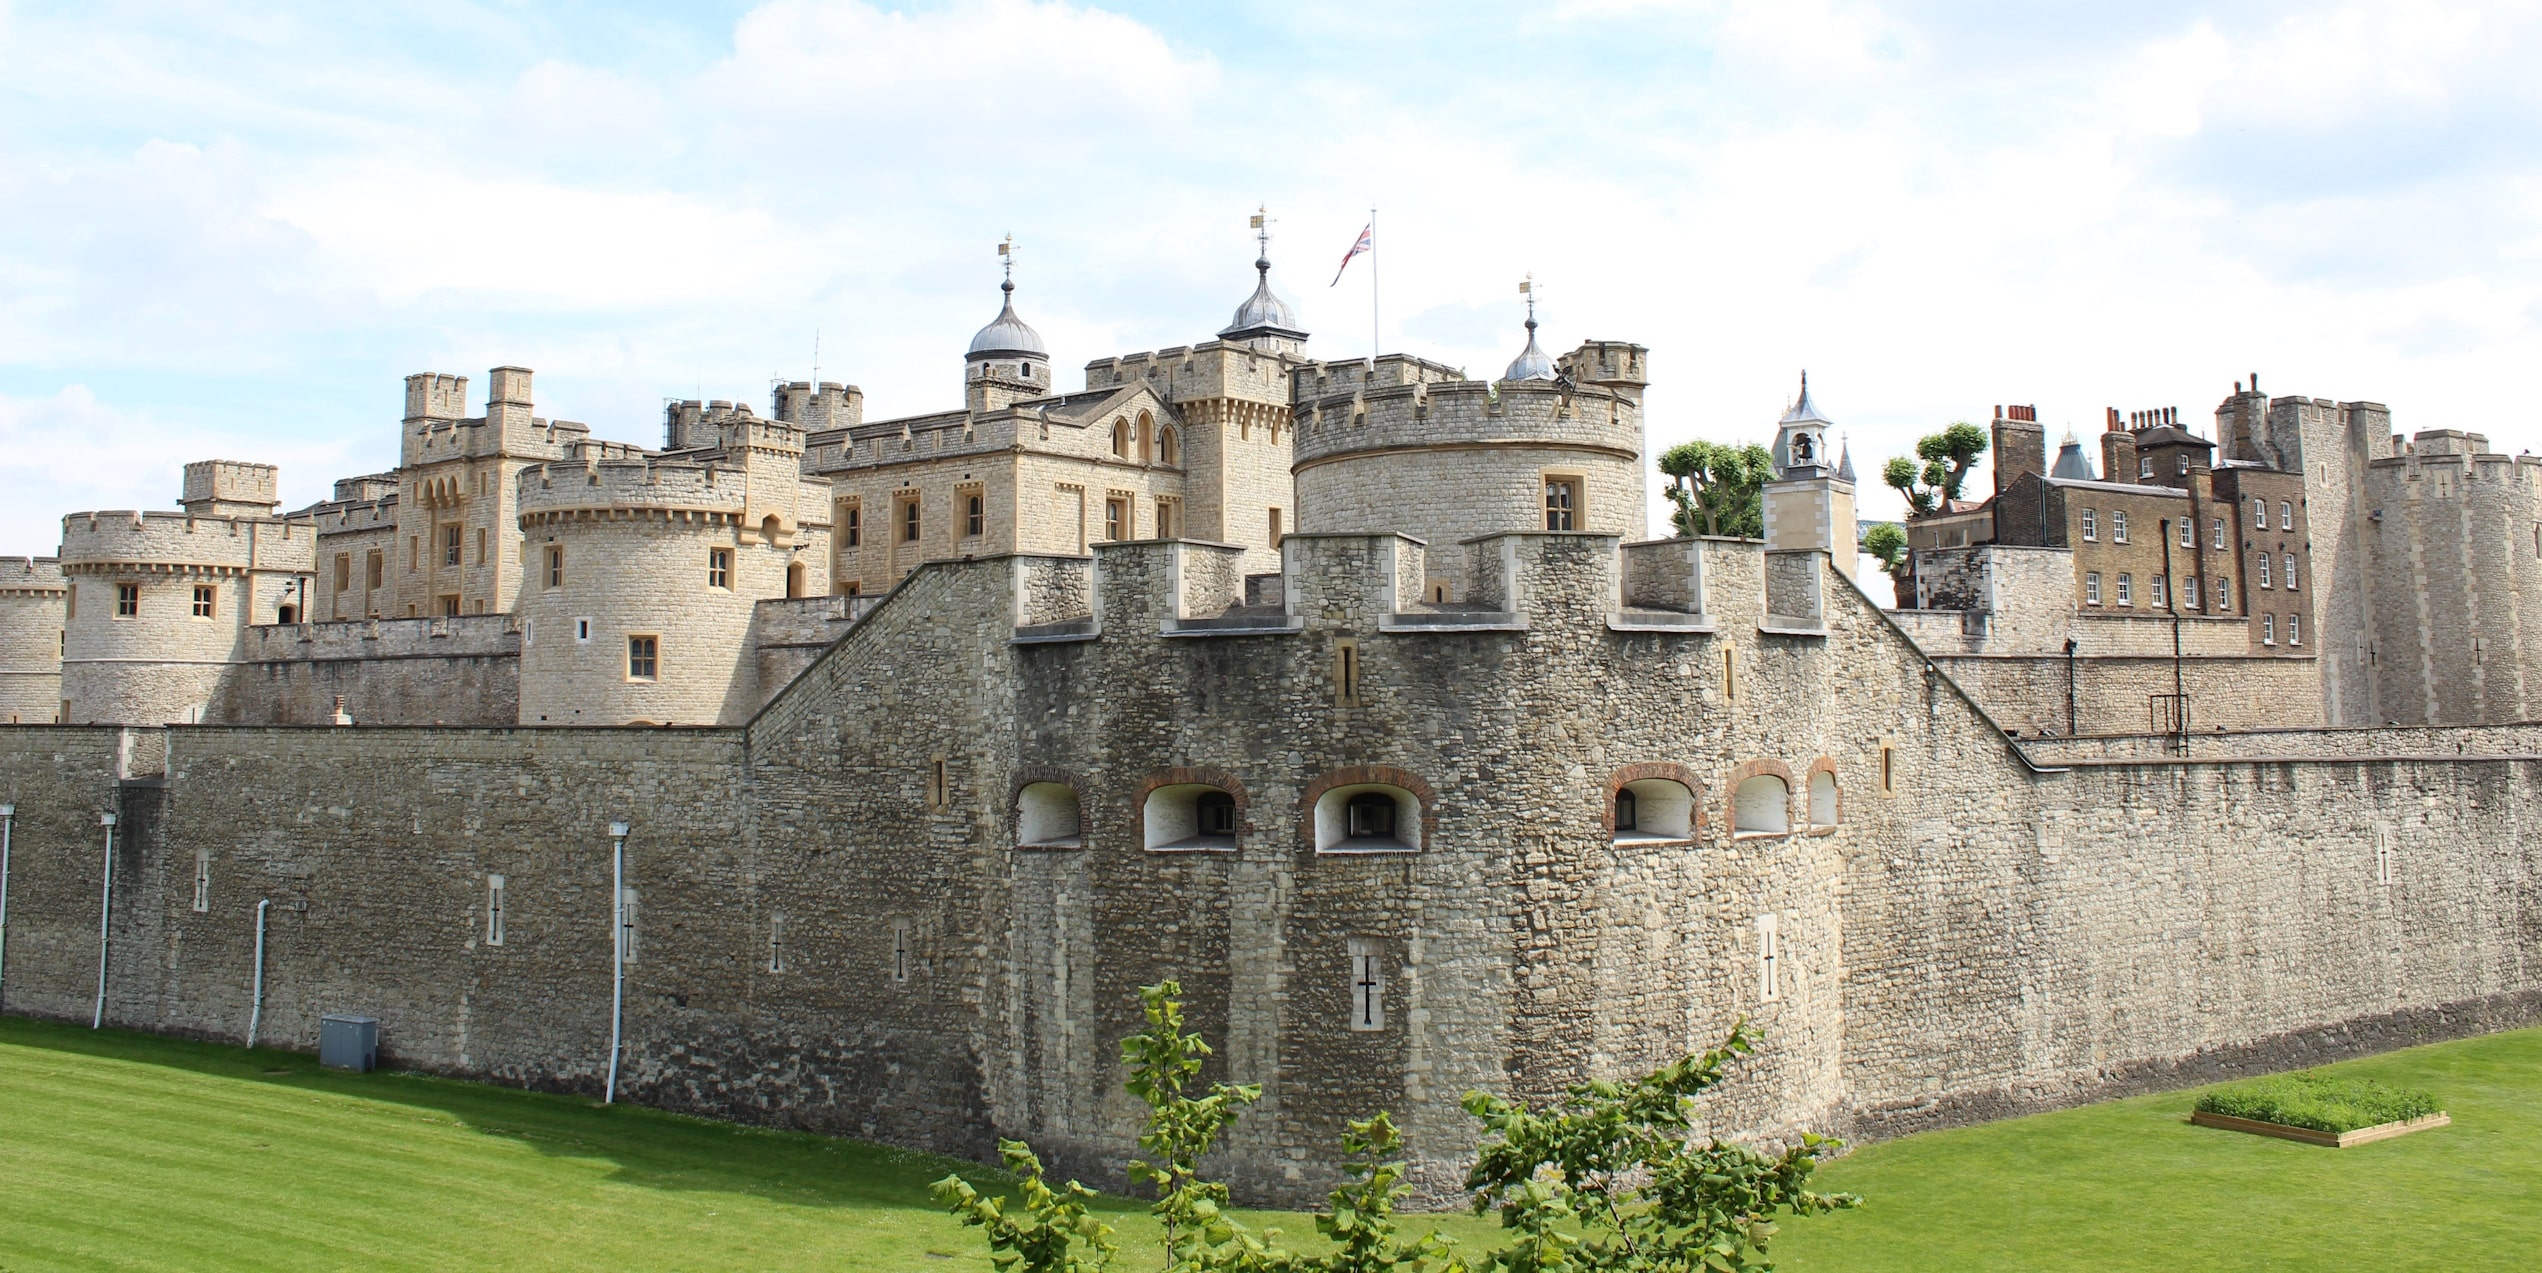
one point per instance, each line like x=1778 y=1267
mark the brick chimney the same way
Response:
x=2020 y=445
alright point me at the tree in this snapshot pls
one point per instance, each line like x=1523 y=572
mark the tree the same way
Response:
x=1610 y=1178
x=1930 y=487
x=1887 y=541
x=1055 y=1222
x=1718 y=488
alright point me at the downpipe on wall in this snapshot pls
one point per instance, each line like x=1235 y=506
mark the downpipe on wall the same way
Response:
x=617 y=951
x=8 y=828
x=105 y=911
x=256 y=1003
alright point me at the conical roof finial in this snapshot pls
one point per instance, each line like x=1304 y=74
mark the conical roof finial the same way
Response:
x=1263 y=313
x=1007 y=334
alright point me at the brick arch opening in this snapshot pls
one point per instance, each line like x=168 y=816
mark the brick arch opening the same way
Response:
x=1666 y=802
x=1759 y=799
x=1325 y=811
x=1824 y=795
x=1191 y=808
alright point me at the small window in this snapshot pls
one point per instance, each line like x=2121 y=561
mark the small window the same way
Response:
x=2285 y=515
x=2262 y=563
x=2144 y=466
x=202 y=880
x=1169 y=450
x=1562 y=503
x=909 y=522
x=582 y=629
x=127 y=601
x=1822 y=800
x=1762 y=806
x=2126 y=589
x=205 y=598
x=450 y=545
x=494 y=910
x=344 y=572
x=794 y=579
x=1367 y=986
x=2290 y=572
x=939 y=783
x=2091 y=526
x=719 y=568
x=2223 y=593
x=1729 y=673
x=2259 y=514
x=2161 y=592
x=2294 y=629
x=855 y=526
x=2268 y=629
x=975 y=515
x=2189 y=591
x=1888 y=769
x=374 y=569
x=2092 y=588
x=1769 y=953
x=643 y=657
x=450 y=605
x=481 y=557
x=1116 y=519
x=1121 y=438
x=1164 y=517
x=2219 y=534
x=414 y=549
x=2184 y=464
x=1187 y=816
x=1368 y=818
x=1654 y=809
x=2118 y=526
x=1346 y=673
x=555 y=565
x=1275 y=532
x=2188 y=533
x=1048 y=816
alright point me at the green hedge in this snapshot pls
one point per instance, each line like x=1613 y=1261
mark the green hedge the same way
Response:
x=2318 y=1101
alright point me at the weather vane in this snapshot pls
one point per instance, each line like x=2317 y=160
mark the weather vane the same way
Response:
x=1006 y=257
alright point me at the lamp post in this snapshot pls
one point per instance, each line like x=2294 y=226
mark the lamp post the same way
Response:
x=617 y=951
x=105 y=910
x=8 y=828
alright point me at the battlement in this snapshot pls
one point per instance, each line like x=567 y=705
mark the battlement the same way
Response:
x=830 y=406
x=1618 y=365
x=2433 y=442
x=1319 y=381
x=1431 y=413
x=1210 y=369
x=169 y=541
x=31 y=574
x=369 y=486
x=621 y=485
x=435 y=396
x=727 y=426
x=229 y=488
x=457 y=636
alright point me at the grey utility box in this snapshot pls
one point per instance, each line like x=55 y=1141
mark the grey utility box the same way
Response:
x=348 y=1043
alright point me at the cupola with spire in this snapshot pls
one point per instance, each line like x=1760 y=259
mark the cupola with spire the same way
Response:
x=1007 y=362
x=1800 y=445
x=1809 y=507
x=1264 y=321
x=1531 y=362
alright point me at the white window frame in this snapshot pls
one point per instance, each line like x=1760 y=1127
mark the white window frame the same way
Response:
x=2294 y=629
x=2259 y=514
x=2127 y=589
x=2285 y=515
x=2092 y=587
x=2268 y=629
x=2118 y=525
x=2290 y=573
x=2266 y=573
x=2091 y=527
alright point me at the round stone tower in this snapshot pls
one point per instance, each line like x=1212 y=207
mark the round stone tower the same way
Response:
x=31 y=640
x=641 y=574
x=1412 y=446
x=158 y=603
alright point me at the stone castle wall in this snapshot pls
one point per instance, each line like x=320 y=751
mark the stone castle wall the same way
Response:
x=463 y=670
x=2451 y=533
x=31 y=641
x=837 y=931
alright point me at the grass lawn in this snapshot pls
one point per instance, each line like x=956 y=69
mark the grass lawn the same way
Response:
x=125 y=1151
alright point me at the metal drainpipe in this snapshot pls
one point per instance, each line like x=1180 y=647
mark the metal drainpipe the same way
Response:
x=105 y=910
x=8 y=826
x=2069 y=687
x=617 y=952
x=256 y=1005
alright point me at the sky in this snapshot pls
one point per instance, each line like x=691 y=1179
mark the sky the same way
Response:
x=231 y=229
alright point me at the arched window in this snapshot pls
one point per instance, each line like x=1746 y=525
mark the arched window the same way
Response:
x=1121 y=438
x=1147 y=437
x=1190 y=815
x=794 y=579
x=1168 y=449
x=1762 y=805
x=1823 y=810
x=1368 y=818
x=1653 y=809
x=1047 y=816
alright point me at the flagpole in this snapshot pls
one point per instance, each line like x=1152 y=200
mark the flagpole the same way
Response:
x=1376 y=340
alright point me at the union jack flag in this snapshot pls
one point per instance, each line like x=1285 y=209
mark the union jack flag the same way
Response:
x=1355 y=249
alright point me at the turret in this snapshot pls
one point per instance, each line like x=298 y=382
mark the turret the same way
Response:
x=1264 y=321
x=1808 y=506
x=1007 y=362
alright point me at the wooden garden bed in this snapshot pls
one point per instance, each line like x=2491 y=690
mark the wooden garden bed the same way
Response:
x=2309 y=1136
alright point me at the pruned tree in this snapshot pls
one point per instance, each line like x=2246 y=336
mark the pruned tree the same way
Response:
x=1718 y=487
x=1939 y=470
x=1887 y=543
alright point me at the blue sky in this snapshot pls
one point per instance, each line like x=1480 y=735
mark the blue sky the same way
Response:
x=230 y=229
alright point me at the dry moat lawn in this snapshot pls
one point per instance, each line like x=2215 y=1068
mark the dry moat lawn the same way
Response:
x=124 y=1151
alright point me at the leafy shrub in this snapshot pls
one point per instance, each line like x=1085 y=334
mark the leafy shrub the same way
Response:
x=2319 y=1101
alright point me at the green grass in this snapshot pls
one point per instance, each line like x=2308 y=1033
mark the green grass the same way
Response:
x=127 y=1151
x=2322 y=1102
